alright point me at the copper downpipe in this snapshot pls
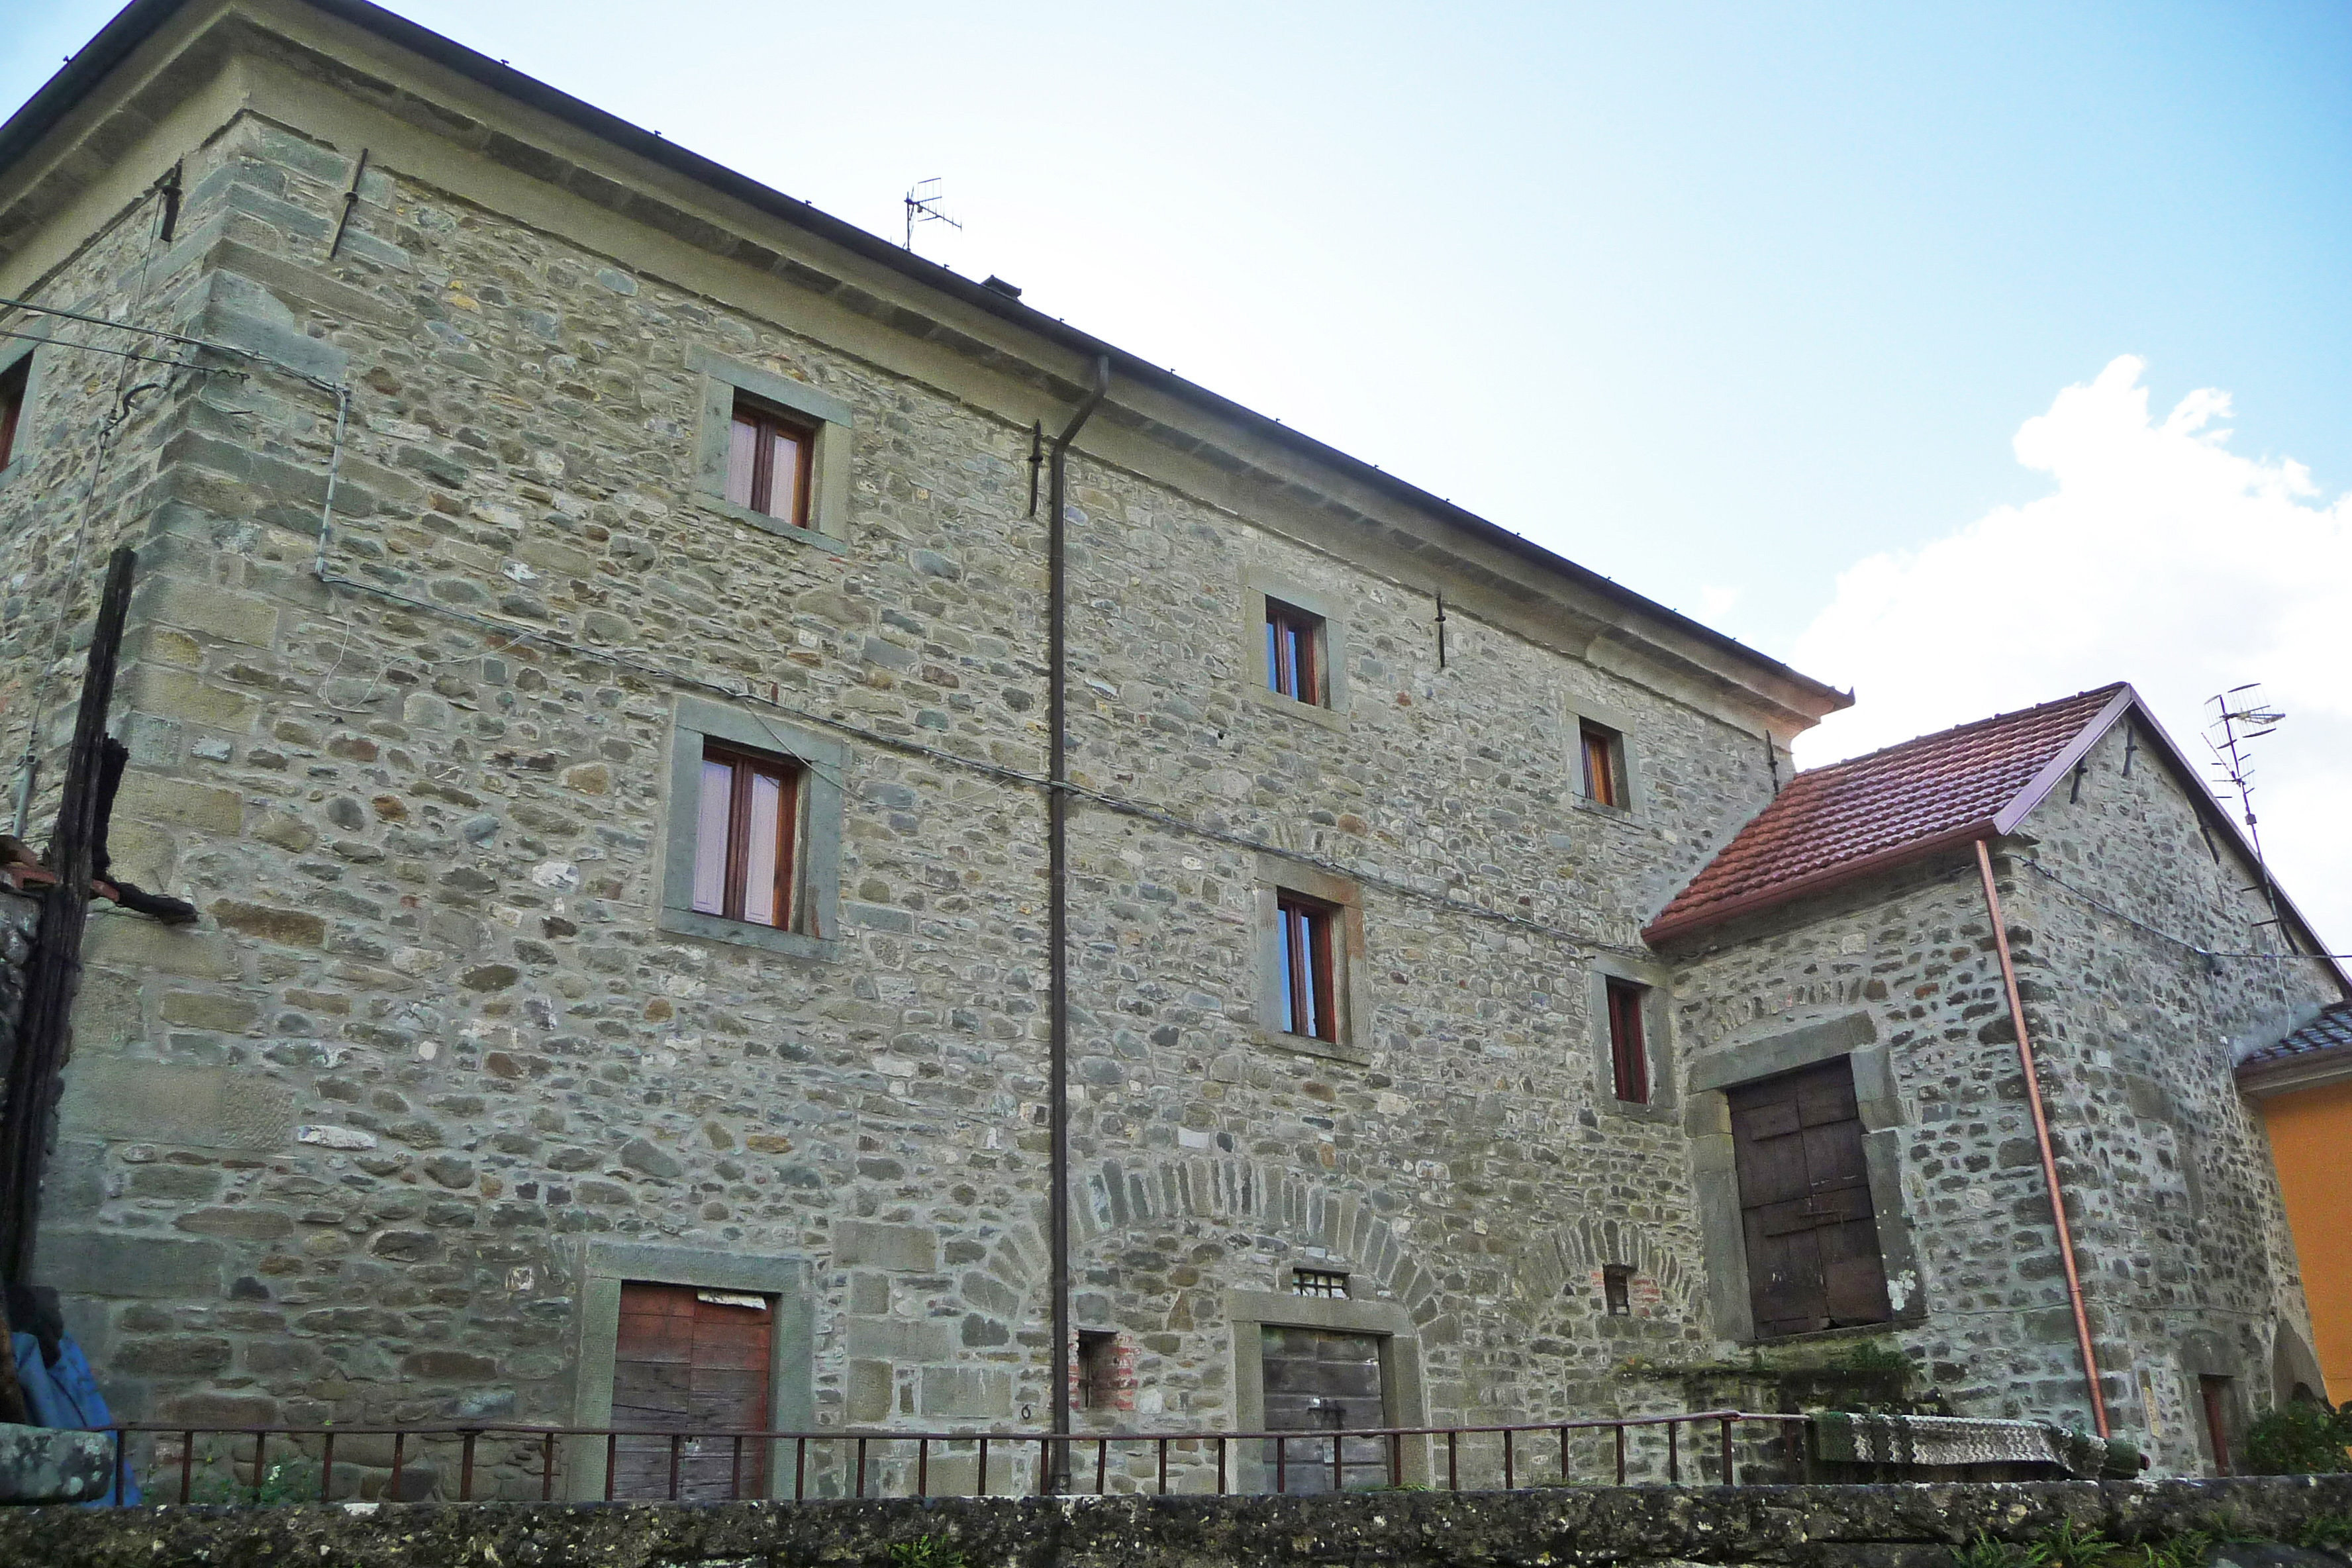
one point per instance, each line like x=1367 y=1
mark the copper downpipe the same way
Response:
x=2042 y=1139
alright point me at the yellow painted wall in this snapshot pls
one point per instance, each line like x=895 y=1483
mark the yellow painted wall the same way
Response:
x=2311 y=1139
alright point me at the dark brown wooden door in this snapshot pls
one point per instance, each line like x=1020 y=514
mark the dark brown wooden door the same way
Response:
x=697 y=1361
x=1320 y=1381
x=1804 y=1203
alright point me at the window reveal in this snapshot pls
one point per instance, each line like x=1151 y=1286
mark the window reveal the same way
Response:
x=1291 y=665
x=1604 y=754
x=12 y=382
x=1629 y=1057
x=1307 y=1006
x=1617 y=1288
x=746 y=840
x=767 y=459
x=1097 y=1371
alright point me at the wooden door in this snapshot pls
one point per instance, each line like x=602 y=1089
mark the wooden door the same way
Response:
x=1804 y=1203
x=691 y=1361
x=1321 y=1380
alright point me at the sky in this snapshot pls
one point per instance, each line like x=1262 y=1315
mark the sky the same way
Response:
x=1895 y=340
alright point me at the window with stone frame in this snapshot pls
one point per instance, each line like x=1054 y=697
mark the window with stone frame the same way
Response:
x=1294 y=653
x=1629 y=1051
x=746 y=847
x=772 y=451
x=754 y=839
x=1603 y=750
x=14 y=382
x=1307 y=961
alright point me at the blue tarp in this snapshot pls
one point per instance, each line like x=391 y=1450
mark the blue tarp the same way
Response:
x=65 y=1396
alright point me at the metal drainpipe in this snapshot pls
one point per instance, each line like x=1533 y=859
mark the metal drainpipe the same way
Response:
x=1057 y=918
x=2042 y=1139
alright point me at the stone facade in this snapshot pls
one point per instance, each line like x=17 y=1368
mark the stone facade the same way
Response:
x=433 y=596
x=345 y=1149
x=2187 y=1267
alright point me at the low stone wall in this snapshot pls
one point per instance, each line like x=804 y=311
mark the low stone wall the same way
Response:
x=1805 y=1527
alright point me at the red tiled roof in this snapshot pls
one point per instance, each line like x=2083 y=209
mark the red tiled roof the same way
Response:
x=1837 y=822
x=2330 y=1032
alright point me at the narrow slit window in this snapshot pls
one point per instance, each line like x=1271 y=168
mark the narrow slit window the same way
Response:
x=1617 y=1288
x=1097 y=1370
x=1629 y=1057
x=1308 y=993
x=767 y=462
x=1604 y=764
x=1292 y=653
x=746 y=839
x=1329 y=1282
x=13 y=381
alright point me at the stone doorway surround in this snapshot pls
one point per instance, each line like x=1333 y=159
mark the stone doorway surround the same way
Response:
x=606 y=1265
x=1403 y=1395
x=1786 y=1048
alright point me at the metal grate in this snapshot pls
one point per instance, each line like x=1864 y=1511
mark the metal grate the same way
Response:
x=1318 y=1282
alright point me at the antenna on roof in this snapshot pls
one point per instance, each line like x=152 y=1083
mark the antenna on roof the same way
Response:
x=2241 y=718
x=922 y=207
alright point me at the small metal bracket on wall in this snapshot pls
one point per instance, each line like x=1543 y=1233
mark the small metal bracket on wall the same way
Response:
x=351 y=200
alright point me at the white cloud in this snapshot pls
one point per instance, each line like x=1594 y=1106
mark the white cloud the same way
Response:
x=2160 y=557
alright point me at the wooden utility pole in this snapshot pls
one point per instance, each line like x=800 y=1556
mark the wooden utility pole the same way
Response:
x=35 y=1070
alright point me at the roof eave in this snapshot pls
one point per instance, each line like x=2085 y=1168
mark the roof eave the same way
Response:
x=2316 y=1069
x=1828 y=879
x=1800 y=695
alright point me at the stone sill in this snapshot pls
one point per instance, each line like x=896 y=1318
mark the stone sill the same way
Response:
x=1308 y=1046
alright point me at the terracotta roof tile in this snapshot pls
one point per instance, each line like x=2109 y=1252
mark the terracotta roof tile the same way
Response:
x=1874 y=810
x=2331 y=1031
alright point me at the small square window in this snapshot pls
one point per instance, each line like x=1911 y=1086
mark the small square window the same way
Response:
x=1329 y=1282
x=1309 y=995
x=1096 y=1373
x=1617 y=1290
x=1603 y=752
x=747 y=837
x=1294 y=653
x=769 y=459
x=12 y=382
x=1629 y=1057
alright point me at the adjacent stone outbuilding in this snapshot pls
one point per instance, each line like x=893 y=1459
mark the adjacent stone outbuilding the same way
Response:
x=1844 y=939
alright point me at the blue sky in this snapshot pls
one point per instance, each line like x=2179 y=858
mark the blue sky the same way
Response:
x=1721 y=300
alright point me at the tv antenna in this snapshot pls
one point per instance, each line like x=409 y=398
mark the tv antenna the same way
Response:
x=922 y=207
x=2242 y=718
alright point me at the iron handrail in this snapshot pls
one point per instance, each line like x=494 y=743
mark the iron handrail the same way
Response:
x=470 y=1433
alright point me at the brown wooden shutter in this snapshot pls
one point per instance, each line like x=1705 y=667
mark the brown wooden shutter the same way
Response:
x=690 y=1361
x=1804 y=1200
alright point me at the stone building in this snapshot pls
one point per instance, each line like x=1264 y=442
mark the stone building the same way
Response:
x=590 y=668
x=1838 y=982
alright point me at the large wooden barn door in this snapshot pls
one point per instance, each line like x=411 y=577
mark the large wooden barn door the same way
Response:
x=1323 y=1381
x=691 y=1361
x=1804 y=1203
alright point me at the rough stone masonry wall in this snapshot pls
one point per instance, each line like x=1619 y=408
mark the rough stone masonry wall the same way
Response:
x=333 y=1151
x=2176 y=1195
x=1802 y=1527
x=2166 y=1177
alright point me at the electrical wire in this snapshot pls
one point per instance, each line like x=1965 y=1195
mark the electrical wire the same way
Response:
x=2160 y=934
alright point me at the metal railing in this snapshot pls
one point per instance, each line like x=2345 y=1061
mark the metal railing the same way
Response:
x=853 y=1462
